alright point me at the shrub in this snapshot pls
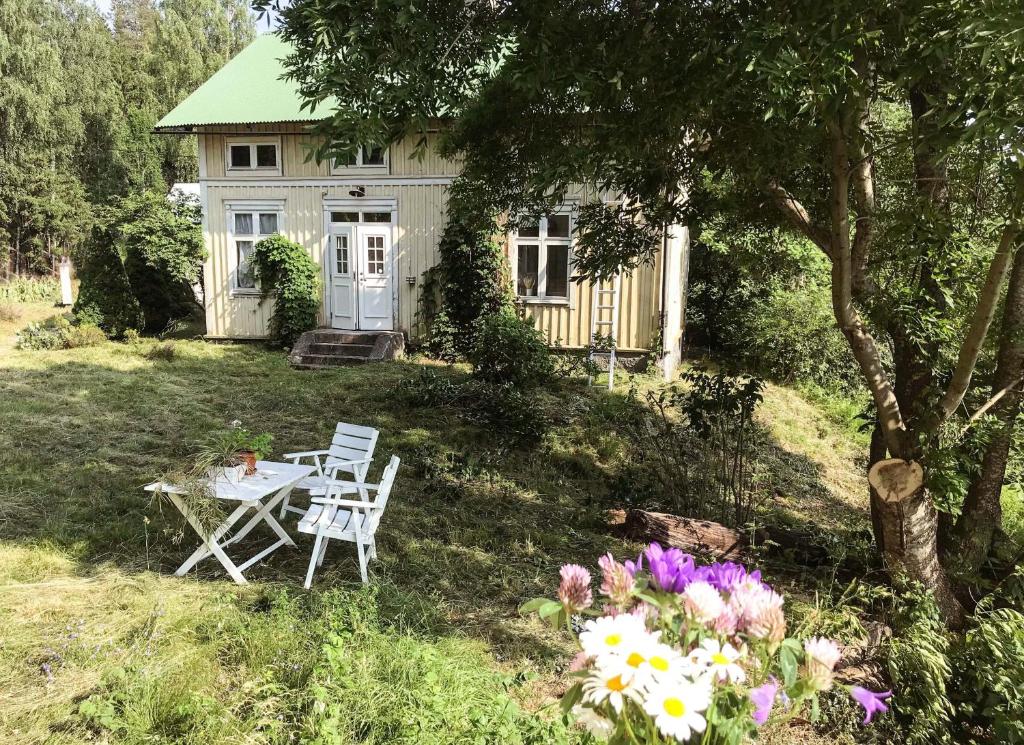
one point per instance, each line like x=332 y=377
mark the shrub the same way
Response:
x=162 y=244
x=163 y=352
x=30 y=290
x=9 y=313
x=509 y=350
x=132 y=336
x=287 y=271
x=502 y=409
x=472 y=279
x=59 y=333
x=84 y=335
x=105 y=297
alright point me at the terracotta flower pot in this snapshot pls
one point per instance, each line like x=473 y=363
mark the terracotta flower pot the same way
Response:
x=248 y=457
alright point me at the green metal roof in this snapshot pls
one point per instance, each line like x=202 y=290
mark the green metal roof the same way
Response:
x=247 y=90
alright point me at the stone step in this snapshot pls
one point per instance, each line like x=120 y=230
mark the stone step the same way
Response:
x=344 y=349
x=340 y=337
x=330 y=360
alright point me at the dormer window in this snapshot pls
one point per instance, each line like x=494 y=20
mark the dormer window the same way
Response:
x=261 y=155
x=366 y=159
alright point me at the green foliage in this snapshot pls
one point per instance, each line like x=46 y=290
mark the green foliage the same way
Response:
x=502 y=409
x=511 y=351
x=105 y=296
x=287 y=272
x=162 y=242
x=473 y=281
x=30 y=290
x=918 y=659
x=79 y=103
x=696 y=442
x=59 y=333
x=761 y=298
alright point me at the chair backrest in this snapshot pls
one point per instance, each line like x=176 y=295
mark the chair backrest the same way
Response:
x=387 y=479
x=352 y=442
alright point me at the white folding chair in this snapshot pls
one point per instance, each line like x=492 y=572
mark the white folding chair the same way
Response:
x=331 y=517
x=351 y=451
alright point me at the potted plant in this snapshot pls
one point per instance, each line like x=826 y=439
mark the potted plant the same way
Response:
x=240 y=447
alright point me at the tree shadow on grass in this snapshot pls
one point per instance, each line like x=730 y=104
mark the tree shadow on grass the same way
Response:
x=474 y=527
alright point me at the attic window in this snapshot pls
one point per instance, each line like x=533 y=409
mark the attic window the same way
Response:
x=367 y=158
x=248 y=156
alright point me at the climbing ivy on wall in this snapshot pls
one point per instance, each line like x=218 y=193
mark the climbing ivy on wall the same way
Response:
x=472 y=279
x=289 y=275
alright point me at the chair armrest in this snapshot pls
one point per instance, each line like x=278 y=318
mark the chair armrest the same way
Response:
x=329 y=482
x=307 y=454
x=347 y=503
x=339 y=463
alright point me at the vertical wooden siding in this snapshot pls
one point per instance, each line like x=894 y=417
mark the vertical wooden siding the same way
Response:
x=296 y=146
x=421 y=219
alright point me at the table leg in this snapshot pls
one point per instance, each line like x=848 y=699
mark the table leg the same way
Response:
x=210 y=545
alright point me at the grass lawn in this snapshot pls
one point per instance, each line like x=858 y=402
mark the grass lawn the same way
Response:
x=100 y=643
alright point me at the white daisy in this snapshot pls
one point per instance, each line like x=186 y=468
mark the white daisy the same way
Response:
x=613 y=682
x=677 y=708
x=720 y=660
x=596 y=724
x=653 y=661
x=612 y=635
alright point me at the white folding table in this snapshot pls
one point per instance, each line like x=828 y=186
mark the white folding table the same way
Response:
x=261 y=492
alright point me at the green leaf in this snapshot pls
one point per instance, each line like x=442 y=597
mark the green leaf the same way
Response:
x=532 y=606
x=571 y=697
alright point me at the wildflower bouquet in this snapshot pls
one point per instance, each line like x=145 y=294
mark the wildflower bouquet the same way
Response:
x=686 y=653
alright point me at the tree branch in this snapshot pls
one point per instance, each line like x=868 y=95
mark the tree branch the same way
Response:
x=798 y=216
x=862 y=175
x=848 y=318
x=980 y=323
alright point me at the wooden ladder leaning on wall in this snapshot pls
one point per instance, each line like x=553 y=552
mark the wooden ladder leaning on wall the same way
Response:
x=604 y=324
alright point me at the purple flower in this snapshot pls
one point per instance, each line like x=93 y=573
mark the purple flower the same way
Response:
x=872 y=702
x=726 y=576
x=671 y=570
x=763 y=698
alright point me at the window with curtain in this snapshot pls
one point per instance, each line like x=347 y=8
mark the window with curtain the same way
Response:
x=541 y=253
x=248 y=229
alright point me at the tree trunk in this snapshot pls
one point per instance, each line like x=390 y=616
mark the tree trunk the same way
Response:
x=910 y=532
x=982 y=513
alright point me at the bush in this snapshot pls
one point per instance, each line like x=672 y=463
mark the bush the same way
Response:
x=501 y=408
x=84 y=335
x=59 y=333
x=105 y=297
x=9 y=313
x=473 y=280
x=30 y=290
x=162 y=243
x=510 y=351
x=285 y=269
x=164 y=352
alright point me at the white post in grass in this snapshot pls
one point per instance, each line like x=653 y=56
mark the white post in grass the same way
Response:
x=65 y=281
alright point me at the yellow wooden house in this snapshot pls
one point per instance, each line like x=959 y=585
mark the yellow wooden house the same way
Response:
x=373 y=224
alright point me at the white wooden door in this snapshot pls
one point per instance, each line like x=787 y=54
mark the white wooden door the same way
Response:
x=376 y=311
x=342 y=260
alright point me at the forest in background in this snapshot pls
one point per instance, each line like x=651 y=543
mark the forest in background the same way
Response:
x=80 y=95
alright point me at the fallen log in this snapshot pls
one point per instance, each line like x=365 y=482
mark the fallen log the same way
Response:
x=692 y=536
x=722 y=543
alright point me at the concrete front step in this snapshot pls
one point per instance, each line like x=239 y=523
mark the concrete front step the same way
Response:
x=343 y=337
x=330 y=360
x=343 y=349
x=325 y=348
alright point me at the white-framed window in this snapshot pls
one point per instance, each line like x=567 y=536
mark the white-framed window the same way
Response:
x=366 y=159
x=248 y=225
x=260 y=155
x=541 y=253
